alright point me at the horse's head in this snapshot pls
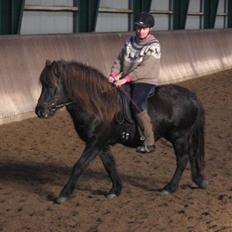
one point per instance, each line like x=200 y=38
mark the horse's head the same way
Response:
x=52 y=96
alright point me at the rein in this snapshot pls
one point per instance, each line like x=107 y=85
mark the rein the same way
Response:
x=127 y=95
x=118 y=77
x=129 y=98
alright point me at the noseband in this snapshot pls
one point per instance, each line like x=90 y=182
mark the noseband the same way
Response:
x=52 y=106
x=63 y=104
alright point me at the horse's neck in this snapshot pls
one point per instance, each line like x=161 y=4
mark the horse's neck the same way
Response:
x=79 y=115
x=91 y=92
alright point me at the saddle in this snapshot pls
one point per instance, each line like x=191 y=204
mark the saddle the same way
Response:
x=126 y=114
x=125 y=120
x=125 y=117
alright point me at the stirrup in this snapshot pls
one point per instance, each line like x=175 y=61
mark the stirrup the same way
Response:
x=145 y=148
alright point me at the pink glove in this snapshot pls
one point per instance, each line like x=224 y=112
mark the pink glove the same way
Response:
x=112 y=76
x=128 y=78
x=123 y=81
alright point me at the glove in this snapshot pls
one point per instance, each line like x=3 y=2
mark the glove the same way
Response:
x=112 y=77
x=123 y=81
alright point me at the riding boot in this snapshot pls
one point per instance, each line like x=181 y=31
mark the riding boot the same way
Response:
x=144 y=122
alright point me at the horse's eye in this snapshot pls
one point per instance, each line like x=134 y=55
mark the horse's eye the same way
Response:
x=50 y=87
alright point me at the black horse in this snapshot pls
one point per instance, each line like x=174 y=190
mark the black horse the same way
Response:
x=95 y=107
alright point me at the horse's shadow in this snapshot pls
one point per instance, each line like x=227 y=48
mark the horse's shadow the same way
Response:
x=35 y=175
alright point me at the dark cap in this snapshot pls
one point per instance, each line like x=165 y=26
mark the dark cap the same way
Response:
x=144 y=19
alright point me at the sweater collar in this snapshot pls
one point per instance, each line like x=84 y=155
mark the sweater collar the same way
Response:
x=150 y=38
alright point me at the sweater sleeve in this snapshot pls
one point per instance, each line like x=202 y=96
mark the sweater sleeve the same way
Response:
x=117 y=64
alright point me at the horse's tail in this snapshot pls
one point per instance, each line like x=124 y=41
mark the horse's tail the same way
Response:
x=198 y=138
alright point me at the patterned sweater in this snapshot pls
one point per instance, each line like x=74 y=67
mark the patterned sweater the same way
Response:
x=140 y=60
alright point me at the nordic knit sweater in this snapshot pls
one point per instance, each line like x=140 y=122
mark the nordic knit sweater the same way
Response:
x=140 y=60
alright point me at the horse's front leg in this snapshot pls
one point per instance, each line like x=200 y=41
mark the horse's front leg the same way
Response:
x=109 y=164
x=88 y=155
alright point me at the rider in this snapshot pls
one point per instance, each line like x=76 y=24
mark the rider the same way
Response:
x=138 y=64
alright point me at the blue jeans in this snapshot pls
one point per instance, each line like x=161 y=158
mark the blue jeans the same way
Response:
x=139 y=94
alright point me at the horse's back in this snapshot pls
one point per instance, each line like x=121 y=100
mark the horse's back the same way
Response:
x=173 y=108
x=174 y=92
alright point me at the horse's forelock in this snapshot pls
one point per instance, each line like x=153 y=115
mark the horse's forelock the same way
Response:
x=49 y=76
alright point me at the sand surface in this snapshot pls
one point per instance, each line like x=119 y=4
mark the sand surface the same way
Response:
x=36 y=157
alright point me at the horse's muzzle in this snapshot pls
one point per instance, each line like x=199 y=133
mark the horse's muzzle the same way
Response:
x=44 y=112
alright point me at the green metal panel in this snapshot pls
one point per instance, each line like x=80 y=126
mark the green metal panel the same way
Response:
x=141 y=5
x=210 y=11
x=5 y=26
x=75 y=17
x=18 y=9
x=180 y=8
x=11 y=12
x=85 y=19
x=230 y=13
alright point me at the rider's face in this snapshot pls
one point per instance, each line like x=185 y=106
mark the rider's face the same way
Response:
x=142 y=32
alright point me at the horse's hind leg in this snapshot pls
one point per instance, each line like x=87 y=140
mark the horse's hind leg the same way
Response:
x=197 y=176
x=109 y=164
x=197 y=165
x=197 y=151
x=181 y=148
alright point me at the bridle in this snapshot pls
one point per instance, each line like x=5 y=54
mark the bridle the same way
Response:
x=51 y=105
x=63 y=104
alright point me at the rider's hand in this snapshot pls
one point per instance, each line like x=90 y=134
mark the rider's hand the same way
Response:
x=124 y=80
x=120 y=82
x=111 y=79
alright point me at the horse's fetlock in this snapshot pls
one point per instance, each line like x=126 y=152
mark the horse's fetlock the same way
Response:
x=169 y=188
x=61 y=200
x=201 y=182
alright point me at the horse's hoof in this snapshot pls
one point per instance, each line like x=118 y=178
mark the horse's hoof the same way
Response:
x=61 y=200
x=204 y=184
x=165 y=192
x=111 y=195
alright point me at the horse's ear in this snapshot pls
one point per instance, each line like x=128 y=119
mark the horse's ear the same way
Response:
x=48 y=62
x=56 y=68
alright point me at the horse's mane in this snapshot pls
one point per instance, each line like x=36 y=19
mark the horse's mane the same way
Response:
x=89 y=88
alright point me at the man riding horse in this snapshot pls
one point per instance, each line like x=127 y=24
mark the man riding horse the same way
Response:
x=138 y=64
